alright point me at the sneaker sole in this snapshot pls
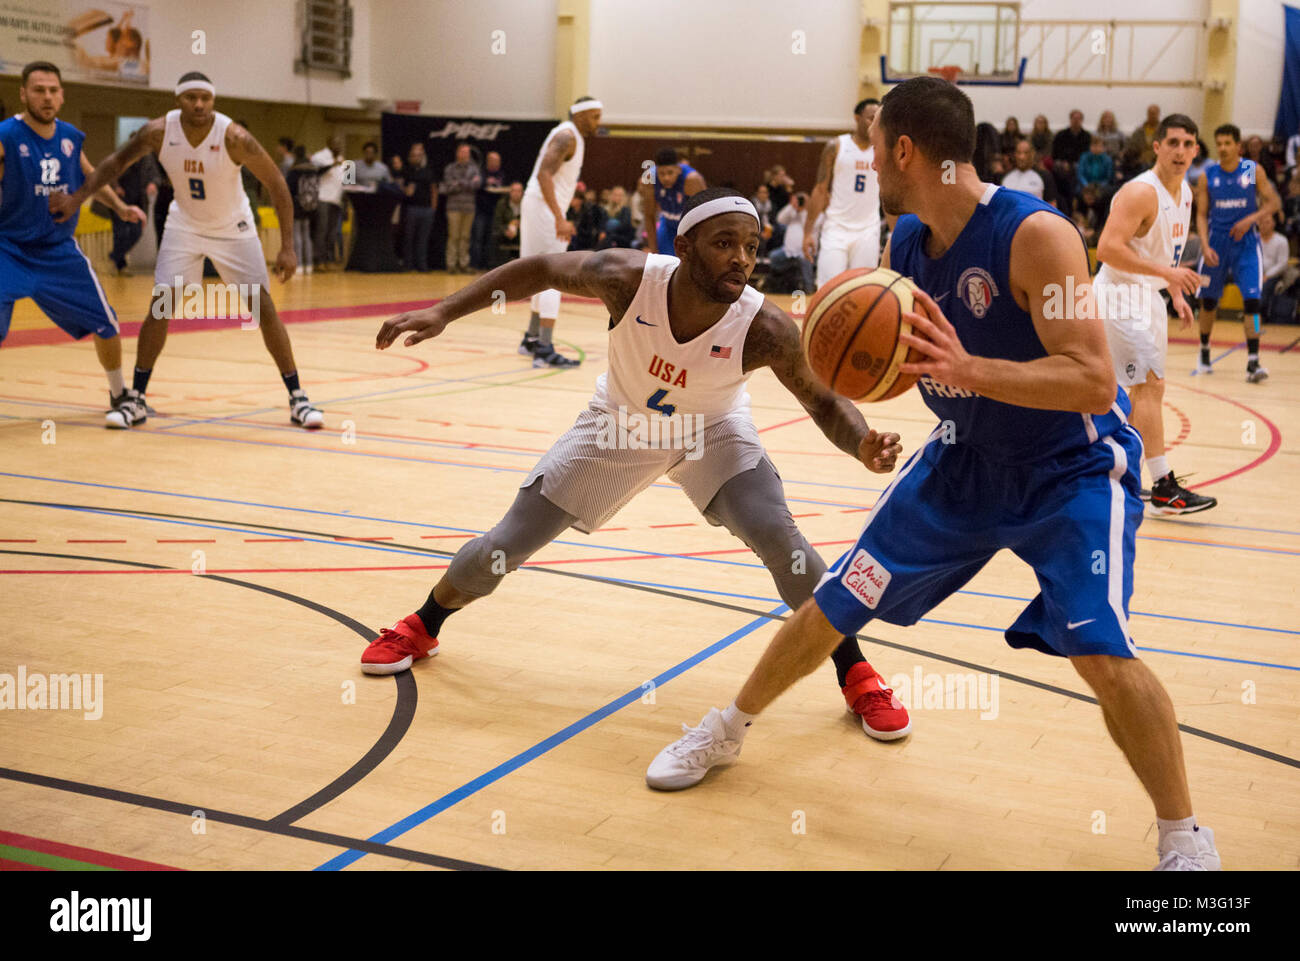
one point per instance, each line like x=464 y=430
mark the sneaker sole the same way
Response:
x=397 y=667
x=883 y=735
x=1175 y=511
x=683 y=781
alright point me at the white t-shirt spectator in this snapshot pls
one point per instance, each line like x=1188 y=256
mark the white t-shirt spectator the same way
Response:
x=1026 y=181
x=331 y=181
x=1276 y=254
x=793 y=219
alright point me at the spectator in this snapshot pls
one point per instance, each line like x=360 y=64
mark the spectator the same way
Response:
x=1096 y=168
x=329 y=210
x=988 y=153
x=395 y=165
x=1130 y=162
x=304 y=187
x=1292 y=147
x=285 y=154
x=134 y=187
x=1291 y=207
x=505 y=226
x=1089 y=213
x=1110 y=136
x=1144 y=136
x=1010 y=137
x=779 y=185
x=417 y=209
x=793 y=216
x=1028 y=177
x=1254 y=150
x=636 y=205
x=461 y=180
x=1067 y=147
x=604 y=197
x=1040 y=138
x=618 y=230
x=1275 y=254
x=1198 y=163
x=485 y=206
x=371 y=170
x=762 y=201
x=588 y=219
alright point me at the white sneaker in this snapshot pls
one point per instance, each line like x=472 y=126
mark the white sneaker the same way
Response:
x=685 y=762
x=302 y=413
x=1203 y=369
x=1189 y=851
x=1260 y=373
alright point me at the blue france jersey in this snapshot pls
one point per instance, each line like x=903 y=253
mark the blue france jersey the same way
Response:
x=971 y=283
x=670 y=200
x=1232 y=196
x=34 y=169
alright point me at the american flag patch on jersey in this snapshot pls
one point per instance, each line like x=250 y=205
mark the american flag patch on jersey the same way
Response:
x=723 y=352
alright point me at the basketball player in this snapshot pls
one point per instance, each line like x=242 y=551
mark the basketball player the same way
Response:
x=1041 y=460
x=848 y=192
x=673 y=183
x=201 y=151
x=40 y=156
x=686 y=332
x=543 y=226
x=1233 y=201
x=1139 y=248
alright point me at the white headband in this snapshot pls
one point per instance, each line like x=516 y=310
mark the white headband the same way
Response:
x=195 y=85
x=582 y=105
x=714 y=208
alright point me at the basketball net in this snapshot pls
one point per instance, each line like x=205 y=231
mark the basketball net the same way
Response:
x=949 y=73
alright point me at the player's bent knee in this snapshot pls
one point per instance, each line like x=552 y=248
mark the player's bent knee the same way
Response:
x=1103 y=671
x=1209 y=303
x=1251 y=305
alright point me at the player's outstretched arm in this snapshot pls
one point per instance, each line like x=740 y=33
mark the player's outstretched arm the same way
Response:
x=1050 y=280
x=147 y=138
x=108 y=196
x=612 y=276
x=773 y=341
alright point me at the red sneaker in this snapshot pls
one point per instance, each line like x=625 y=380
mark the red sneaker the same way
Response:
x=397 y=647
x=883 y=715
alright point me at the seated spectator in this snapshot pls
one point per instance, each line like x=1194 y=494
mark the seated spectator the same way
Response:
x=1096 y=167
x=1067 y=147
x=588 y=222
x=1130 y=162
x=370 y=169
x=1291 y=209
x=1089 y=213
x=1110 y=136
x=618 y=230
x=1040 y=138
x=505 y=226
x=988 y=153
x=1253 y=149
x=604 y=198
x=1010 y=137
x=636 y=205
x=1028 y=177
x=793 y=216
x=1275 y=255
x=779 y=187
x=1144 y=136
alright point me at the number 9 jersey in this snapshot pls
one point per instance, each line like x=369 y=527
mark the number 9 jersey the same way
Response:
x=210 y=198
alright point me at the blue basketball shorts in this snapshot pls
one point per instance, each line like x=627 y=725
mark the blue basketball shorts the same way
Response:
x=63 y=284
x=1073 y=518
x=1239 y=260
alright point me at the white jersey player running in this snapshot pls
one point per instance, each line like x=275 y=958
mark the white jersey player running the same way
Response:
x=202 y=151
x=1140 y=248
x=848 y=191
x=686 y=332
x=544 y=227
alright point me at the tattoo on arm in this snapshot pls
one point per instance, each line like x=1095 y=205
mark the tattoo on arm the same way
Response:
x=555 y=154
x=826 y=165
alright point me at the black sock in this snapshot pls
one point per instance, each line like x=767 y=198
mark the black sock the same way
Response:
x=433 y=614
x=291 y=381
x=1252 y=353
x=845 y=656
x=1205 y=348
x=140 y=382
x=534 y=324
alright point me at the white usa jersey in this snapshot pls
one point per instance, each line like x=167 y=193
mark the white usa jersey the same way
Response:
x=650 y=372
x=855 y=191
x=1164 y=241
x=210 y=198
x=566 y=178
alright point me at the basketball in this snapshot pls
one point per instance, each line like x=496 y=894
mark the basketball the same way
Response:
x=852 y=334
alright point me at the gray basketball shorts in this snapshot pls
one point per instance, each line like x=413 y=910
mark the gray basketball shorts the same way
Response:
x=594 y=469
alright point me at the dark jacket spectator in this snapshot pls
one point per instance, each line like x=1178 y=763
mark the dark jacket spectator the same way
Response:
x=505 y=226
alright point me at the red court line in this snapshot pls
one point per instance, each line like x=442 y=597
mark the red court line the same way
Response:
x=784 y=423
x=1275 y=441
x=271 y=540
x=1185 y=427
x=661 y=526
x=88 y=855
x=84 y=541
x=165 y=540
x=17 y=540
x=7 y=865
x=339 y=538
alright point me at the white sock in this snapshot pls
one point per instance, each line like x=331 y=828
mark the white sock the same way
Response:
x=115 y=385
x=1158 y=467
x=1164 y=826
x=736 y=721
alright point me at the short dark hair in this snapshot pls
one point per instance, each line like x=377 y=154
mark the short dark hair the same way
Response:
x=1179 y=120
x=704 y=196
x=934 y=114
x=43 y=66
x=1231 y=130
x=299 y=152
x=863 y=104
x=286 y=143
x=193 y=75
x=666 y=157
x=370 y=143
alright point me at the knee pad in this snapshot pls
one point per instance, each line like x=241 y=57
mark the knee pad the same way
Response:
x=1251 y=305
x=1209 y=303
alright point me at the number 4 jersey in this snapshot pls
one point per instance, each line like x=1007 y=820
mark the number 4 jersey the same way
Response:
x=34 y=169
x=651 y=373
x=210 y=198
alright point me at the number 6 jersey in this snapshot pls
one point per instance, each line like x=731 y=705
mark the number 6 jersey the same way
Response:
x=210 y=198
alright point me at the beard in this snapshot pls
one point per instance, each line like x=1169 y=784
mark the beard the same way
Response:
x=892 y=202
x=712 y=286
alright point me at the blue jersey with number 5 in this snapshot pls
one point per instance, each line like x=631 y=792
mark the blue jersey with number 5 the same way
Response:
x=34 y=168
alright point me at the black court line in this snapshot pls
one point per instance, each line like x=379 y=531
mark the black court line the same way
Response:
x=922 y=652
x=398 y=724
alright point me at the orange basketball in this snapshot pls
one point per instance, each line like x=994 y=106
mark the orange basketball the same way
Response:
x=851 y=334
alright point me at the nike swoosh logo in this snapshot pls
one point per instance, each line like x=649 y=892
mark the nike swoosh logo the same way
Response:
x=646 y=322
x=939 y=299
x=1073 y=624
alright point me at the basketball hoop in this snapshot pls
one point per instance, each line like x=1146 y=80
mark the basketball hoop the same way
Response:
x=949 y=73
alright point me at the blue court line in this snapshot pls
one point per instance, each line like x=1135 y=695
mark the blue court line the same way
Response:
x=542 y=747
x=1230 y=350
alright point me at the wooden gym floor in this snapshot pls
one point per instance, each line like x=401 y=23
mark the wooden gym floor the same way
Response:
x=238 y=732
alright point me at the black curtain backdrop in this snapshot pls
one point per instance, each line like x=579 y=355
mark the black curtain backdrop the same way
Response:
x=518 y=142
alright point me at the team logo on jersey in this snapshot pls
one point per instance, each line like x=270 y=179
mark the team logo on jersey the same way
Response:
x=976 y=289
x=242 y=225
x=23 y=151
x=866 y=578
x=66 y=146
